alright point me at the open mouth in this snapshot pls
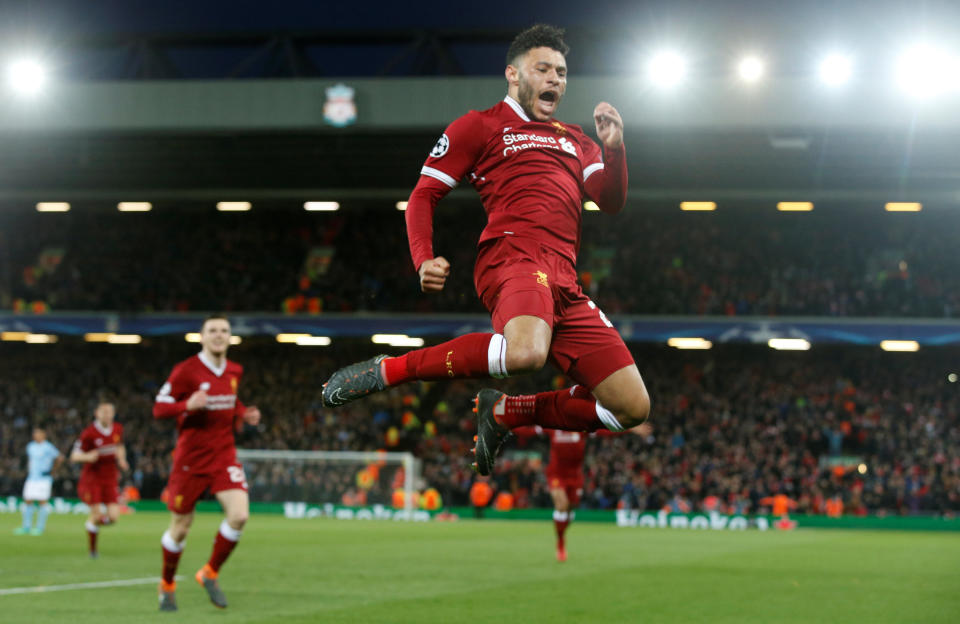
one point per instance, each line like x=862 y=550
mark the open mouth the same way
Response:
x=549 y=97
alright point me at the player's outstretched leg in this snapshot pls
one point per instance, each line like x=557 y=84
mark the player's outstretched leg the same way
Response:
x=490 y=433
x=470 y=356
x=354 y=382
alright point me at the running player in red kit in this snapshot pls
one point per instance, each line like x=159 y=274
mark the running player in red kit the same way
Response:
x=201 y=394
x=565 y=472
x=532 y=173
x=101 y=451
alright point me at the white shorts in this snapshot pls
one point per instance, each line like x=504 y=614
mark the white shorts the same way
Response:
x=37 y=489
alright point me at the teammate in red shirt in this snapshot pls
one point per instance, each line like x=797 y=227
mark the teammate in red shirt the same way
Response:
x=101 y=451
x=565 y=472
x=201 y=394
x=532 y=173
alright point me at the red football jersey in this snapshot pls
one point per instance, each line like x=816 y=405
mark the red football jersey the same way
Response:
x=567 y=449
x=205 y=442
x=530 y=174
x=105 y=442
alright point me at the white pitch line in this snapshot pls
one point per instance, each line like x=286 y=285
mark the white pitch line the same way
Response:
x=96 y=585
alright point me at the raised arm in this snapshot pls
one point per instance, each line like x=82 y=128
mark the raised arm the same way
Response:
x=419 y=216
x=607 y=186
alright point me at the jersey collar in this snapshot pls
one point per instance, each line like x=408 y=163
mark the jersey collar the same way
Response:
x=102 y=430
x=512 y=103
x=213 y=369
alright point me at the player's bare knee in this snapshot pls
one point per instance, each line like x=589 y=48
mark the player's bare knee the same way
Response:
x=635 y=411
x=522 y=360
x=238 y=519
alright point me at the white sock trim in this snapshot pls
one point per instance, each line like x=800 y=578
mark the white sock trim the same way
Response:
x=497 y=356
x=91 y=527
x=229 y=532
x=168 y=543
x=609 y=420
x=571 y=515
x=560 y=516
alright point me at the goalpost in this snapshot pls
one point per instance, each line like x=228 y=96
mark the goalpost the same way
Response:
x=330 y=477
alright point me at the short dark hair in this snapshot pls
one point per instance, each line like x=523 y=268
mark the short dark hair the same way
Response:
x=213 y=317
x=105 y=396
x=537 y=36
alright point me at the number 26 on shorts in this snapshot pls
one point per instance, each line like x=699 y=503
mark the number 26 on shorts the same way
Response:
x=603 y=317
x=236 y=474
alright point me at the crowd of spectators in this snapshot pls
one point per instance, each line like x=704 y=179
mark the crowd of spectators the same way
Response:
x=731 y=426
x=644 y=261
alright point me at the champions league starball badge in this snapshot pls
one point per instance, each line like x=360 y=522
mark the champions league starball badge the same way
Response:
x=339 y=110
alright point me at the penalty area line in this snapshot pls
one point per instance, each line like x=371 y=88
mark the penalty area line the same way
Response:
x=38 y=589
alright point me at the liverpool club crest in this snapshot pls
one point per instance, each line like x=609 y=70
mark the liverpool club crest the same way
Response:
x=340 y=110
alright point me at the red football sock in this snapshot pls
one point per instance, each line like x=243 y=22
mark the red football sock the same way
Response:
x=171 y=557
x=170 y=562
x=561 y=527
x=464 y=357
x=92 y=533
x=223 y=545
x=570 y=409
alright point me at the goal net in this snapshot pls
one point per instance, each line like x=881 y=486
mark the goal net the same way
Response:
x=327 y=482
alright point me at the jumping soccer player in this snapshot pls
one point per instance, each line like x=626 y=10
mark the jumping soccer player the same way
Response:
x=201 y=393
x=532 y=173
x=42 y=459
x=565 y=472
x=100 y=449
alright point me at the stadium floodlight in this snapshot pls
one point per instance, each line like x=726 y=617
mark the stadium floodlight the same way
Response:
x=704 y=206
x=134 y=206
x=124 y=339
x=667 y=69
x=900 y=345
x=795 y=206
x=321 y=206
x=862 y=469
x=40 y=339
x=53 y=207
x=195 y=337
x=290 y=338
x=397 y=340
x=401 y=205
x=313 y=341
x=97 y=337
x=26 y=76
x=952 y=378
x=750 y=69
x=836 y=69
x=924 y=71
x=14 y=336
x=689 y=343
x=234 y=206
x=591 y=206
x=903 y=207
x=789 y=344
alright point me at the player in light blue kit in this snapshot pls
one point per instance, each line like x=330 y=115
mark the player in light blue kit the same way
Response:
x=43 y=457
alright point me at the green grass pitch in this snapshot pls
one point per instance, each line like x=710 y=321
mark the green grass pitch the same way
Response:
x=321 y=570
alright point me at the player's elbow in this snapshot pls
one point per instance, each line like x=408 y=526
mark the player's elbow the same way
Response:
x=611 y=208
